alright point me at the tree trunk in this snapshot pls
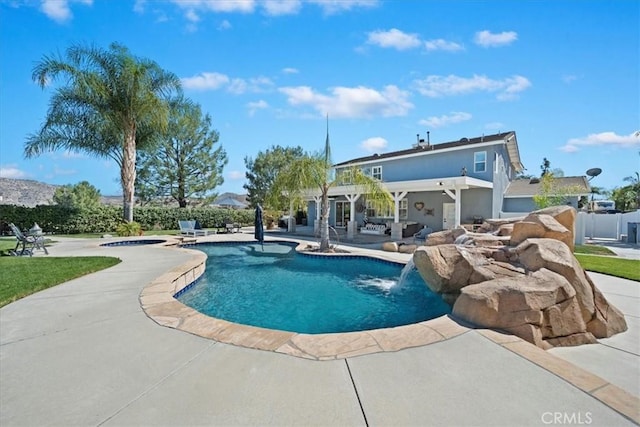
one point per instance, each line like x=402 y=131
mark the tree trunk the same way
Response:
x=128 y=173
x=324 y=219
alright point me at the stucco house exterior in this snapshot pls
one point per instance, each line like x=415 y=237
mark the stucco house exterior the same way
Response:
x=441 y=186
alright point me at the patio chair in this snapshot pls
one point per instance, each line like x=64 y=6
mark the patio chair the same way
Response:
x=231 y=227
x=27 y=243
x=421 y=235
x=190 y=228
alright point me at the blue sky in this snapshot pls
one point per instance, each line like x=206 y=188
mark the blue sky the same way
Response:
x=563 y=74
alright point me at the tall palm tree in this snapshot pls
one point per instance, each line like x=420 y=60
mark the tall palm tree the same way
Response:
x=111 y=104
x=316 y=172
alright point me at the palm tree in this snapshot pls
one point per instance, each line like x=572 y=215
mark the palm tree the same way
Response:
x=112 y=104
x=316 y=172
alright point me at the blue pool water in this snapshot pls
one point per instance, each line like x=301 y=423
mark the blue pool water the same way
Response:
x=277 y=288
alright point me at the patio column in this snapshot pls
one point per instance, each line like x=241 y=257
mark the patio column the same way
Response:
x=291 y=226
x=457 y=201
x=352 y=225
x=396 y=227
x=316 y=222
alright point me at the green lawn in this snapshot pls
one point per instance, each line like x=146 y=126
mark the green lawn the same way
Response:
x=592 y=250
x=22 y=276
x=619 y=267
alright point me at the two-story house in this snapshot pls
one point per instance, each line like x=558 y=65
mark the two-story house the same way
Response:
x=438 y=185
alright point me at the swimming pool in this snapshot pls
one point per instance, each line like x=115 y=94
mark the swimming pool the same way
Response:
x=277 y=288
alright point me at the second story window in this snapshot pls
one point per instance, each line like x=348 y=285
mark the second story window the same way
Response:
x=480 y=161
x=376 y=172
x=346 y=177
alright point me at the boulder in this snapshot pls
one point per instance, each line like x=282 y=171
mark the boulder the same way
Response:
x=407 y=249
x=537 y=307
x=390 y=247
x=444 y=237
x=565 y=215
x=534 y=288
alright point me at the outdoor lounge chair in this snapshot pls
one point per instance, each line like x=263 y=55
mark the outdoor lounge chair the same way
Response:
x=421 y=235
x=189 y=228
x=26 y=243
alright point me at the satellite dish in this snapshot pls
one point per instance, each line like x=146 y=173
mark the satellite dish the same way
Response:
x=593 y=172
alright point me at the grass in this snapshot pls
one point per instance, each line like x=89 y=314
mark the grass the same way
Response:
x=592 y=250
x=618 y=267
x=22 y=276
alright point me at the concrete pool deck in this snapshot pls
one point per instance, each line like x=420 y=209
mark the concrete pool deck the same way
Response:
x=85 y=353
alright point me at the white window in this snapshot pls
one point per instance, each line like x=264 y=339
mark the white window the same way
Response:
x=346 y=177
x=480 y=161
x=376 y=172
x=371 y=210
x=404 y=209
x=384 y=212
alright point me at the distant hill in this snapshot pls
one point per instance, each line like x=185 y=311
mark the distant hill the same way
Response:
x=25 y=192
x=242 y=198
x=29 y=193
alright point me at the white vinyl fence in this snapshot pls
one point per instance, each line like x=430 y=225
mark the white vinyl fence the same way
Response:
x=608 y=226
x=599 y=226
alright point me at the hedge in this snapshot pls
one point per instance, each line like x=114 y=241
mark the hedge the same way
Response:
x=105 y=219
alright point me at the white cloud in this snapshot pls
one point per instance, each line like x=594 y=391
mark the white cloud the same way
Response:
x=352 y=102
x=281 y=7
x=59 y=10
x=290 y=70
x=445 y=120
x=569 y=78
x=330 y=7
x=205 y=81
x=393 y=38
x=57 y=171
x=139 y=6
x=192 y=16
x=11 y=171
x=226 y=6
x=235 y=175
x=488 y=39
x=374 y=145
x=255 y=84
x=224 y=25
x=214 y=81
x=512 y=87
x=603 y=138
x=255 y=106
x=437 y=86
x=73 y=155
x=441 y=44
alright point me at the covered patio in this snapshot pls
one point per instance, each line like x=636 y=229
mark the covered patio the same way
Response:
x=451 y=186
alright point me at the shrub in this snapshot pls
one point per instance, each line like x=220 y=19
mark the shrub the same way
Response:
x=129 y=229
x=106 y=219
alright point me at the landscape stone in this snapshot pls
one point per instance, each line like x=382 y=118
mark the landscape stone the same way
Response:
x=390 y=247
x=536 y=289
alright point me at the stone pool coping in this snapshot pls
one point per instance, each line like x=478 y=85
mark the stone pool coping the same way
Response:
x=157 y=301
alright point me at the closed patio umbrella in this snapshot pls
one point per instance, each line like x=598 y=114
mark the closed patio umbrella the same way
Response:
x=259 y=230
